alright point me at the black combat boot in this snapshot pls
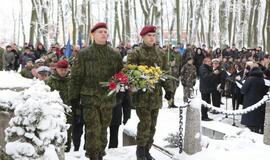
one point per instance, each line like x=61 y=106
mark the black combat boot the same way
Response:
x=148 y=155
x=140 y=153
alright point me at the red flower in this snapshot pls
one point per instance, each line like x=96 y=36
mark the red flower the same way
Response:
x=112 y=85
x=121 y=77
x=124 y=79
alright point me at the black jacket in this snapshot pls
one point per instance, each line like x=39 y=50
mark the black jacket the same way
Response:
x=122 y=107
x=207 y=79
x=254 y=89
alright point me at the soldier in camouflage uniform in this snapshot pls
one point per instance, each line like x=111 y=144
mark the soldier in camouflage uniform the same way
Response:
x=174 y=62
x=148 y=103
x=27 y=70
x=188 y=78
x=60 y=81
x=93 y=65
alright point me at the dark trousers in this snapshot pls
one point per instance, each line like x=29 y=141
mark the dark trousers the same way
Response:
x=204 y=110
x=216 y=98
x=77 y=131
x=113 y=136
x=236 y=101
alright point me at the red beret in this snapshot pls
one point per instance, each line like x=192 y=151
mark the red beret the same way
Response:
x=62 y=64
x=99 y=25
x=147 y=29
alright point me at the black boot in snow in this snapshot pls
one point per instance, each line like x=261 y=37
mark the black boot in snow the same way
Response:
x=148 y=155
x=140 y=153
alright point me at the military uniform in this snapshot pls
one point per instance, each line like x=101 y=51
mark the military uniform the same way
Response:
x=148 y=103
x=93 y=65
x=61 y=84
x=188 y=79
x=27 y=72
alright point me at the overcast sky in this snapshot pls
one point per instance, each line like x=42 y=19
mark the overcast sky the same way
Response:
x=8 y=8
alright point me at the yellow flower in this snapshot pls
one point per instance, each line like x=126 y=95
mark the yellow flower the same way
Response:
x=142 y=67
x=132 y=66
x=158 y=70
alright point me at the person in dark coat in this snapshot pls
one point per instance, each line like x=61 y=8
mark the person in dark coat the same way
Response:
x=121 y=109
x=207 y=86
x=198 y=59
x=216 y=95
x=254 y=89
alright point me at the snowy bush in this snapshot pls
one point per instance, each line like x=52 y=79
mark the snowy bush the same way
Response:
x=173 y=139
x=38 y=128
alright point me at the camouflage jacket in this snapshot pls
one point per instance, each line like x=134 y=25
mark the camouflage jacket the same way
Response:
x=149 y=56
x=188 y=75
x=93 y=65
x=27 y=72
x=60 y=84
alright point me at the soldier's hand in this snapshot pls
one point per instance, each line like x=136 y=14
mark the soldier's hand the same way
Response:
x=75 y=103
x=169 y=95
x=125 y=121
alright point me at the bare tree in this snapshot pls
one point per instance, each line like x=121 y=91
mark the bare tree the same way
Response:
x=127 y=15
x=116 y=23
x=223 y=23
x=73 y=14
x=88 y=40
x=268 y=28
x=146 y=8
x=123 y=21
x=196 y=18
x=33 y=22
x=177 y=10
x=264 y=24
x=255 y=23
x=250 y=22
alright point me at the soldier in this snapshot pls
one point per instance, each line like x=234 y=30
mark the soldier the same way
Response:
x=27 y=70
x=148 y=103
x=174 y=62
x=60 y=81
x=93 y=65
x=188 y=78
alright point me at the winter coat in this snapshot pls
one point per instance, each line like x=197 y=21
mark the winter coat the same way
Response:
x=207 y=78
x=187 y=54
x=198 y=59
x=8 y=61
x=39 y=53
x=27 y=72
x=254 y=89
x=122 y=107
x=188 y=75
x=26 y=56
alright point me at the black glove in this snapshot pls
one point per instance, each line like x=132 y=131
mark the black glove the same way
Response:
x=75 y=103
x=169 y=95
x=77 y=114
x=125 y=121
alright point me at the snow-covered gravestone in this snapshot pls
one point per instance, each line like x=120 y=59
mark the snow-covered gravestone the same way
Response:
x=266 y=137
x=38 y=129
x=192 y=139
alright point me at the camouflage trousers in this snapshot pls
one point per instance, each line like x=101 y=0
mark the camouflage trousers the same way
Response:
x=187 y=93
x=147 y=126
x=97 y=116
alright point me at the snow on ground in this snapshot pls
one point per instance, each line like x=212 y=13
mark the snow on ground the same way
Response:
x=237 y=145
x=12 y=79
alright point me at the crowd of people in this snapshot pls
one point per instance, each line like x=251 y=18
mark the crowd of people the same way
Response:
x=77 y=80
